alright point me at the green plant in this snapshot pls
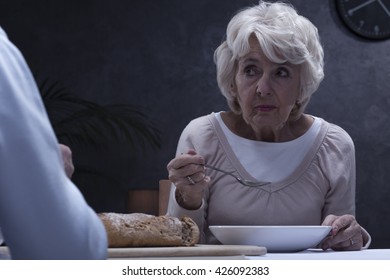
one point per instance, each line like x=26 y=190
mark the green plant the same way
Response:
x=77 y=121
x=106 y=141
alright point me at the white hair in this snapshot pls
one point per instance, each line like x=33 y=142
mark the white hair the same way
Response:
x=283 y=35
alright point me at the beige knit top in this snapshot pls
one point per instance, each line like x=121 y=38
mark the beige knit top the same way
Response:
x=323 y=183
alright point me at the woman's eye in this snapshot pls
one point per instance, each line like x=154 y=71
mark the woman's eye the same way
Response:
x=282 y=72
x=250 y=71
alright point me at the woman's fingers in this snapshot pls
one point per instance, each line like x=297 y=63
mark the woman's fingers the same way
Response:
x=186 y=169
x=345 y=234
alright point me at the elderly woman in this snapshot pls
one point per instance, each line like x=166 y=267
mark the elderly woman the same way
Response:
x=268 y=68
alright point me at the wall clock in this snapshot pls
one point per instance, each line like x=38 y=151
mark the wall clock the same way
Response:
x=369 y=19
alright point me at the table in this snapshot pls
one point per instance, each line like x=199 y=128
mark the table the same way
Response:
x=318 y=254
x=313 y=254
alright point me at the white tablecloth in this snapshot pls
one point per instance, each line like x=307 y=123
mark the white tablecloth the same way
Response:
x=369 y=254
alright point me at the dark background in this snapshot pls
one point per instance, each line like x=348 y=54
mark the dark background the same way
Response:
x=158 y=54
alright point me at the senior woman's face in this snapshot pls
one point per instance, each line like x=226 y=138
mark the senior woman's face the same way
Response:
x=266 y=91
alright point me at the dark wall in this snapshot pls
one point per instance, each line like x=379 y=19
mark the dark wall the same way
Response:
x=158 y=54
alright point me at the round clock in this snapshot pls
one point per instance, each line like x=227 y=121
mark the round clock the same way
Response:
x=369 y=19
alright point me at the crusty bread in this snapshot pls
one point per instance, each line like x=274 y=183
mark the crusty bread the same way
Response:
x=143 y=230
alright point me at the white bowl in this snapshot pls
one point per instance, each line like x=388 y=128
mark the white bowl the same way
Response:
x=274 y=238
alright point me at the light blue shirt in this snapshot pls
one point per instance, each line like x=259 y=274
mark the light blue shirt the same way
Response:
x=43 y=215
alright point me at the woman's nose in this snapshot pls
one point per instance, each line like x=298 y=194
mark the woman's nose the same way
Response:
x=263 y=86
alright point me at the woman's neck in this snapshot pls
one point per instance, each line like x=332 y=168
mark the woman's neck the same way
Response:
x=284 y=132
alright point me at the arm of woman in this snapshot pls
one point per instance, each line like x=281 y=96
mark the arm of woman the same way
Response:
x=42 y=214
x=189 y=190
x=338 y=161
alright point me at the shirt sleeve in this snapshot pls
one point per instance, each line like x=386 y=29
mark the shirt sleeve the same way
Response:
x=187 y=142
x=338 y=161
x=43 y=215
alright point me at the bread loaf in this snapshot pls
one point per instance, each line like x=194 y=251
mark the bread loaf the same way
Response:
x=143 y=230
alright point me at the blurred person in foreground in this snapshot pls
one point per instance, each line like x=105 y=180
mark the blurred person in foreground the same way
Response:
x=42 y=213
x=66 y=154
x=267 y=69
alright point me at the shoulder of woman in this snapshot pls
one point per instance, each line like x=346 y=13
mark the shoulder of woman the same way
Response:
x=199 y=130
x=335 y=146
x=337 y=137
x=337 y=131
x=198 y=124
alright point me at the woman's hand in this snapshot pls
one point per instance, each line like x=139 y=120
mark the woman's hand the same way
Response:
x=346 y=234
x=188 y=174
x=66 y=154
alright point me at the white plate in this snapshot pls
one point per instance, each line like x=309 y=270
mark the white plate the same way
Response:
x=274 y=238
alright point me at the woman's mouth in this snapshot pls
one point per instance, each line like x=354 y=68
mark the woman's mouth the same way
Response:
x=265 y=108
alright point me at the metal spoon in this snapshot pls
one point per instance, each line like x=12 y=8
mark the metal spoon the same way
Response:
x=242 y=181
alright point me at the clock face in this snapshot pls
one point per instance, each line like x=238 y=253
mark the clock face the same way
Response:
x=367 y=18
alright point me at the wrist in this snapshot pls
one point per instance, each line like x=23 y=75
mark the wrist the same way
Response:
x=189 y=201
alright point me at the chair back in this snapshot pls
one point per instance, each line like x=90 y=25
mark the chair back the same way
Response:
x=163 y=196
x=153 y=202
